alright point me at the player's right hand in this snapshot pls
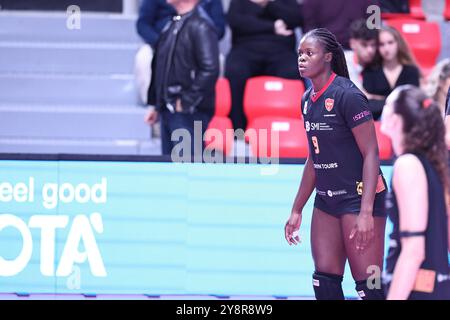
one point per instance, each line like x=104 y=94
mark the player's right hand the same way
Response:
x=291 y=228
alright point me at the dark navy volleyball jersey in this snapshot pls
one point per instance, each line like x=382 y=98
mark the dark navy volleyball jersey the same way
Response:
x=433 y=281
x=329 y=117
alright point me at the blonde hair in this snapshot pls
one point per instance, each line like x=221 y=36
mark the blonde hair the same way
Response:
x=437 y=74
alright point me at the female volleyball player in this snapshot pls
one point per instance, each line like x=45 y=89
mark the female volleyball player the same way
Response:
x=417 y=264
x=349 y=219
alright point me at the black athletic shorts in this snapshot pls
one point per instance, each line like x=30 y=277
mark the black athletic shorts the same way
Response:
x=351 y=204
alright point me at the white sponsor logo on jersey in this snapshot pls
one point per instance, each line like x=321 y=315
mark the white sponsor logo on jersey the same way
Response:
x=326 y=166
x=331 y=193
x=317 y=126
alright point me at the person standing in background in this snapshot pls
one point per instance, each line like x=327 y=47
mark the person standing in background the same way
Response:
x=185 y=71
x=417 y=263
x=154 y=15
x=263 y=43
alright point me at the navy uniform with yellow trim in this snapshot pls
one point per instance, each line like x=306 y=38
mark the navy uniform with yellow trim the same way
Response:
x=329 y=117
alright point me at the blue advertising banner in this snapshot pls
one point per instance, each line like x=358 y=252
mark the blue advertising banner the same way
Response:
x=104 y=227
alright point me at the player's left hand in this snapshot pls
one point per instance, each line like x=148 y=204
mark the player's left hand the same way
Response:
x=292 y=227
x=363 y=231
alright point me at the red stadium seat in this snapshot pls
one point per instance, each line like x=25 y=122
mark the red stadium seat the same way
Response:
x=447 y=10
x=415 y=9
x=415 y=12
x=220 y=135
x=273 y=96
x=384 y=143
x=291 y=143
x=223 y=98
x=424 y=39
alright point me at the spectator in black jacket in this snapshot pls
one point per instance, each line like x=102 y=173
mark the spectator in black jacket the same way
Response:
x=184 y=73
x=263 y=43
x=153 y=16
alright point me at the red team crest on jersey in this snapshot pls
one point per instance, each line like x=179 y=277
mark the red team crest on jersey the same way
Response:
x=329 y=104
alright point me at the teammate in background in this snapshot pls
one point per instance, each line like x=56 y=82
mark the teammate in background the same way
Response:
x=343 y=166
x=417 y=264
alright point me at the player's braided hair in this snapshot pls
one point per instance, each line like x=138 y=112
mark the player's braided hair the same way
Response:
x=424 y=128
x=330 y=44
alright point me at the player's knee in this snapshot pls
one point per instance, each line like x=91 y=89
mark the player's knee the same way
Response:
x=369 y=292
x=327 y=286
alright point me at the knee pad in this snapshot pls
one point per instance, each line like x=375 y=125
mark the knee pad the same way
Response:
x=327 y=286
x=366 y=293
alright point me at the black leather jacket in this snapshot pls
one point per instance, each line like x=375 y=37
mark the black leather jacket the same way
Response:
x=186 y=64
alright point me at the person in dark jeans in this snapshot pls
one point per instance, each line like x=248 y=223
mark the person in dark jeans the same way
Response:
x=185 y=71
x=263 y=43
x=417 y=265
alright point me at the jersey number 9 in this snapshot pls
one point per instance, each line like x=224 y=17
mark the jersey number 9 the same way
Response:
x=315 y=144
